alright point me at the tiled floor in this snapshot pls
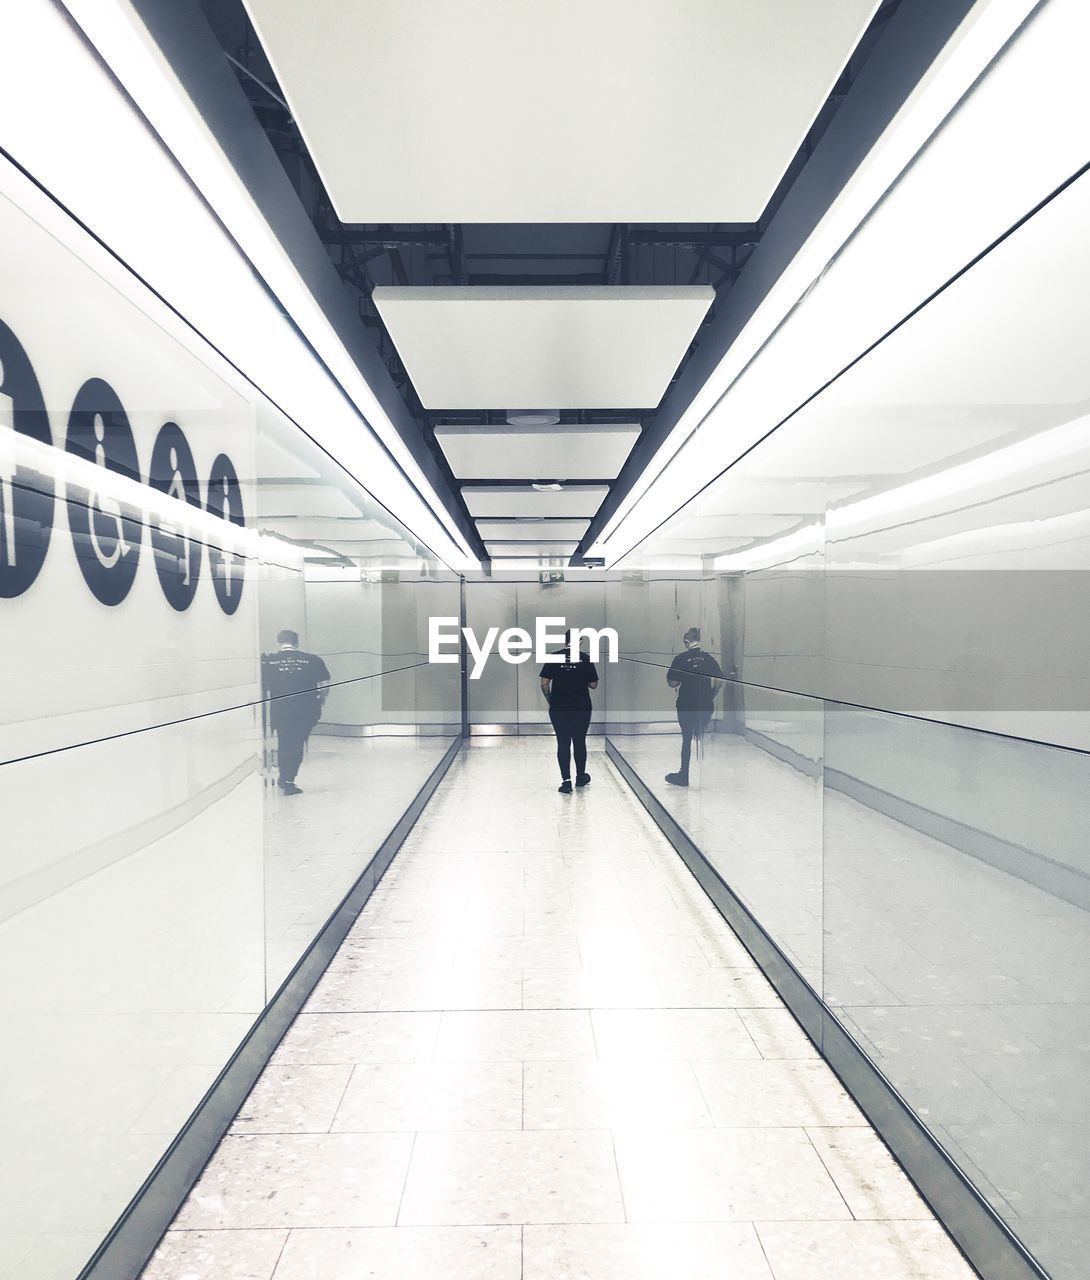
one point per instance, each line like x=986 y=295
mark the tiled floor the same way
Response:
x=541 y=1055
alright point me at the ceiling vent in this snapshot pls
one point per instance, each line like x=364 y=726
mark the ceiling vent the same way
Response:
x=533 y=417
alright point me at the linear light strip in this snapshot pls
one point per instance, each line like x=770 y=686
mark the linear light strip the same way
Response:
x=967 y=56
x=116 y=32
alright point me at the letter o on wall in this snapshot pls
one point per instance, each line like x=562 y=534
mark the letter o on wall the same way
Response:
x=176 y=549
x=106 y=527
x=27 y=494
x=228 y=566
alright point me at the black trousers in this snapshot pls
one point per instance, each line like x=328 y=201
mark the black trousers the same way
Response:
x=291 y=738
x=693 y=724
x=570 y=728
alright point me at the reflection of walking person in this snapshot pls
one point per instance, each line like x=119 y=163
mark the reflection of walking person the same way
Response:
x=296 y=685
x=691 y=674
x=567 y=687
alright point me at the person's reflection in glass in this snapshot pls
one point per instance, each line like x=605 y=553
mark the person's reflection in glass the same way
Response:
x=296 y=684
x=693 y=674
x=566 y=686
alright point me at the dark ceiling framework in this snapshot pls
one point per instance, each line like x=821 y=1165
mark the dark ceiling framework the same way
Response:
x=366 y=255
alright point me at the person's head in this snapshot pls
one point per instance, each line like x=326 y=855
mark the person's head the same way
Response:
x=691 y=638
x=287 y=637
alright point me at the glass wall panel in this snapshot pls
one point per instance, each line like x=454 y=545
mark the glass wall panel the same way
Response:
x=161 y=525
x=898 y=582
x=957 y=959
x=749 y=794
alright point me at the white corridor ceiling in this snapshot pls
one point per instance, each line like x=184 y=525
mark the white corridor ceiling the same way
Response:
x=541 y=208
x=568 y=452
x=420 y=111
x=564 y=347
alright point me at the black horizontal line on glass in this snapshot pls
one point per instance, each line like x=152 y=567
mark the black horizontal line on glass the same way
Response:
x=201 y=715
x=882 y=711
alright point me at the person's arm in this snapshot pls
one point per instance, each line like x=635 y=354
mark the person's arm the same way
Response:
x=546 y=683
x=322 y=683
x=716 y=672
x=673 y=677
x=592 y=676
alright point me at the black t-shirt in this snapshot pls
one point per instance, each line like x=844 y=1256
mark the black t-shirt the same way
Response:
x=695 y=669
x=294 y=672
x=570 y=690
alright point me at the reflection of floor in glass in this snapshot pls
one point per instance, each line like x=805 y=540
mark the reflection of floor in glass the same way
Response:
x=758 y=821
x=986 y=1027
x=318 y=843
x=542 y=1053
x=135 y=985
x=969 y=987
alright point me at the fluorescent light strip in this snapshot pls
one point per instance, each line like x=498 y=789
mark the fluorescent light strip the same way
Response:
x=967 y=55
x=1015 y=461
x=117 y=34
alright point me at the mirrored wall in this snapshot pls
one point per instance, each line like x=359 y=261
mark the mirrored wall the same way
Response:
x=892 y=775
x=217 y=706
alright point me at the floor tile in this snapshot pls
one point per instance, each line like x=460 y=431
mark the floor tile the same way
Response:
x=870 y=1180
x=777 y=1034
x=402 y=1253
x=514 y=1036
x=688 y=1251
x=214 y=1255
x=300 y=1180
x=399 y=1097
x=724 y=1175
x=293 y=1100
x=352 y=1038
x=457 y=1178
x=647 y=1034
x=455 y=988
x=862 y=1251
x=588 y=988
x=590 y=1095
x=766 y=1093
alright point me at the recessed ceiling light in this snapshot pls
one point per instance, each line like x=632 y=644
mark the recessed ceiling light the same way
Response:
x=533 y=417
x=551 y=486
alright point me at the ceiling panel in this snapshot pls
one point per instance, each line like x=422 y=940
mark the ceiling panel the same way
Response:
x=546 y=549
x=572 y=500
x=561 y=452
x=422 y=111
x=532 y=530
x=542 y=346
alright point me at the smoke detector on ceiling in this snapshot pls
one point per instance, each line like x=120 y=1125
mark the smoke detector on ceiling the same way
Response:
x=533 y=417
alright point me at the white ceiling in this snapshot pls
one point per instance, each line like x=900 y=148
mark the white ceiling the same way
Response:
x=555 y=347
x=572 y=500
x=581 y=111
x=546 y=549
x=561 y=452
x=532 y=530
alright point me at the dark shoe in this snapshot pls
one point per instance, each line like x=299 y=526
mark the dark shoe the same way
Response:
x=290 y=789
x=582 y=779
x=678 y=779
x=565 y=788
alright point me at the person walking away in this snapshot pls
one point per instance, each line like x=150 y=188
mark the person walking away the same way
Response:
x=296 y=684
x=566 y=686
x=692 y=673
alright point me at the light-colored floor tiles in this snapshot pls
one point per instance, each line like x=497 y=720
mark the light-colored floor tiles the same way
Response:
x=542 y=1055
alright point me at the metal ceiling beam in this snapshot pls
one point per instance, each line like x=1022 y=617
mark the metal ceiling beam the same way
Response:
x=736 y=234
